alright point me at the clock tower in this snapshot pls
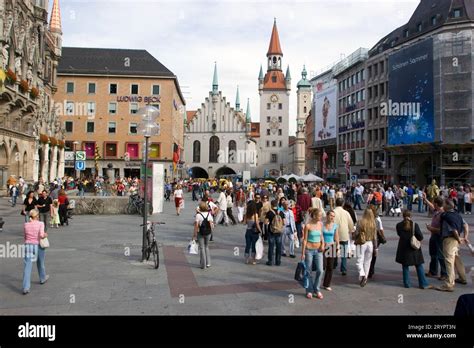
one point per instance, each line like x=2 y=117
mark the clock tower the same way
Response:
x=303 y=94
x=274 y=89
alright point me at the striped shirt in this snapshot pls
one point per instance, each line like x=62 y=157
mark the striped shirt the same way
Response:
x=34 y=231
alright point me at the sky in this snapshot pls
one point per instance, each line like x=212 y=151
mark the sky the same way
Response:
x=188 y=36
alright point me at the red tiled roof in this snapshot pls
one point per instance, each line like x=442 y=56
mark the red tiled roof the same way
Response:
x=279 y=83
x=190 y=115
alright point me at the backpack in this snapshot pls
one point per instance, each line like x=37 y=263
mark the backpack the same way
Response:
x=205 y=228
x=277 y=226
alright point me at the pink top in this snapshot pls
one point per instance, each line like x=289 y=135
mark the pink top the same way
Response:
x=34 y=231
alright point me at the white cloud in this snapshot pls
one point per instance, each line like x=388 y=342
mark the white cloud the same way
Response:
x=188 y=36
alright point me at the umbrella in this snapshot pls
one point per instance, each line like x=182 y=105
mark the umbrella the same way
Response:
x=283 y=178
x=311 y=178
x=293 y=177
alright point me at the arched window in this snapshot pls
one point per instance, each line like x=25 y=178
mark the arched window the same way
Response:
x=197 y=151
x=213 y=149
x=232 y=151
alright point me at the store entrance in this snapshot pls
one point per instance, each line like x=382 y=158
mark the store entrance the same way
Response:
x=132 y=172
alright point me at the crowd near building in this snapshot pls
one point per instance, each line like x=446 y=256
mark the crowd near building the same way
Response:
x=31 y=136
x=401 y=111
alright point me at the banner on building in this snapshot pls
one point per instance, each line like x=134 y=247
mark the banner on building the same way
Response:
x=176 y=156
x=410 y=105
x=325 y=106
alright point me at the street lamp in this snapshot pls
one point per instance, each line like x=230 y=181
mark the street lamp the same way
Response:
x=148 y=128
x=75 y=143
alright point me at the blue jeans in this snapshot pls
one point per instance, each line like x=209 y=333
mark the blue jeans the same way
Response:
x=33 y=253
x=420 y=205
x=274 y=240
x=422 y=283
x=14 y=200
x=358 y=199
x=299 y=230
x=288 y=234
x=344 y=253
x=310 y=254
x=250 y=240
x=81 y=193
x=410 y=203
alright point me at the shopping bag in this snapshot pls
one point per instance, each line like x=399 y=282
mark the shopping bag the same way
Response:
x=352 y=249
x=44 y=243
x=297 y=243
x=301 y=275
x=193 y=248
x=259 y=249
x=181 y=204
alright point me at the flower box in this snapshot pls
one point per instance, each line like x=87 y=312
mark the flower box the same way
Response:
x=24 y=87
x=34 y=93
x=44 y=139
x=11 y=77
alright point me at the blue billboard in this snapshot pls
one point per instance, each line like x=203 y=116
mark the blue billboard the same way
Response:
x=410 y=105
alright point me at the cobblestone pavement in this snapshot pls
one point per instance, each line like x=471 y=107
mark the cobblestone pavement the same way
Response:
x=92 y=272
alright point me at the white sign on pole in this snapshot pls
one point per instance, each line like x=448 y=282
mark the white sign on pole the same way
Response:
x=69 y=156
x=158 y=187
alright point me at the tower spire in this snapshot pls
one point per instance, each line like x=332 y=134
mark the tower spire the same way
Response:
x=247 y=114
x=260 y=75
x=274 y=48
x=55 y=21
x=215 y=85
x=237 y=100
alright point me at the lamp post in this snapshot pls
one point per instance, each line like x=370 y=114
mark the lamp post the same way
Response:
x=74 y=150
x=148 y=128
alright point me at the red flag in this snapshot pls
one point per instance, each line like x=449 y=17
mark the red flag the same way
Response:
x=176 y=155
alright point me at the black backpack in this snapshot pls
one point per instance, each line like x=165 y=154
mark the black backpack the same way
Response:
x=205 y=228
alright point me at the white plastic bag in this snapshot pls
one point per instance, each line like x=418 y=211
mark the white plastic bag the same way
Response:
x=297 y=242
x=259 y=248
x=193 y=248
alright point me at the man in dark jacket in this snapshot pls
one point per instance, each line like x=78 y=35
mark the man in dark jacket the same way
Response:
x=451 y=228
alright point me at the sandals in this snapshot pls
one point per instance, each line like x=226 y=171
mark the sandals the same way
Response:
x=309 y=296
x=319 y=296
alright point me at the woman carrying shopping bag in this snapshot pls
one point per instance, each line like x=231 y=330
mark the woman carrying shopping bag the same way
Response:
x=366 y=241
x=34 y=250
x=203 y=225
x=252 y=233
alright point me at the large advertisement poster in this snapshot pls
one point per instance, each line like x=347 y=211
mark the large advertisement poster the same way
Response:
x=410 y=107
x=325 y=106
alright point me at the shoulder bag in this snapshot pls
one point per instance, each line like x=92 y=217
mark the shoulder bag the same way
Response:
x=415 y=243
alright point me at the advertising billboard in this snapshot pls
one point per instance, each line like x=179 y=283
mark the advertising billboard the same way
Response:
x=410 y=107
x=325 y=106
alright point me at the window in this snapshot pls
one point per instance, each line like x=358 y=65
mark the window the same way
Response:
x=274 y=79
x=155 y=151
x=268 y=118
x=68 y=125
x=433 y=20
x=70 y=87
x=134 y=89
x=90 y=127
x=197 y=151
x=370 y=72
x=419 y=27
x=382 y=134
x=370 y=135
x=213 y=149
x=406 y=33
x=376 y=91
x=280 y=106
x=382 y=89
x=376 y=70
x=268 y=131
x=112 y=108
x=280 y=143
x=112 y=127
x=269 y=106
x=69 y=108
x=376 y=113
x=133 y=108
x=155 y=89
x=274 y=143
x=133 y=128
x=113 y=88
x=91 y=88
x=232 y=151
x=110 y=149
x=268 y=143
x=305 y=109
x=89 y=148
x=91 y=109
x=457 y=13
x=280 y=119
x=382 y=67
x=376 y=134
x=132 y=150
x=274 y=158
x=280 y=132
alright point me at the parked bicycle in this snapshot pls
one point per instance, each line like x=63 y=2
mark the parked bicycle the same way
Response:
x=152 y=245
x=136 y=204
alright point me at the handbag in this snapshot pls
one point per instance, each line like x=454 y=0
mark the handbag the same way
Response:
x=193 y=247
x=415 y=243
x=259 y=249
x=360 y=238
x=301 y=275
x=381 y=238
x=44 y=243
x=22 y=213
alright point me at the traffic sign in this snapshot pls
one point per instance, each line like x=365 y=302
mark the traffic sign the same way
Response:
x=69 y=156
x=80 y=165
x=80 y=155
x=353 y=177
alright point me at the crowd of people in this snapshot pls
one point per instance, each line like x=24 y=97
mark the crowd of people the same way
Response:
x=321 y=221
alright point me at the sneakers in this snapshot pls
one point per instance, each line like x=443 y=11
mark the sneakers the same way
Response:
x=208 y=266
x=328 y=288
x=26 y=291
x=269 y=263
x=460 y=281
x=427 y=287
x=292 y=256
x=444 y=288
x=363 y=282
x=45 y=280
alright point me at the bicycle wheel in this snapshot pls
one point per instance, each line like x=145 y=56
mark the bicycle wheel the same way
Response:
x=156 y=255
x=131 y=209
x=147 y=253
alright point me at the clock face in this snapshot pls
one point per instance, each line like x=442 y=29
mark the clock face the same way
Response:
x=274 y=125
x=274 y=98
x=305 y=97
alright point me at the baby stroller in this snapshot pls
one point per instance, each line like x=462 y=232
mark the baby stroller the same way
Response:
x=397 y=209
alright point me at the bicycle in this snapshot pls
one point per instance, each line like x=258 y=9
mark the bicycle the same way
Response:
x=152 y=245
x=136 y=204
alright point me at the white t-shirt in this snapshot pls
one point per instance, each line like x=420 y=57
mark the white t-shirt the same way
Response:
x=467 y=197
x=200 y=216
x=178 y=193
x=389 y=195
x=332 y=193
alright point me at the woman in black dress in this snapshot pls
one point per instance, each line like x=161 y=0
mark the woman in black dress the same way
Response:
x=28 y=205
